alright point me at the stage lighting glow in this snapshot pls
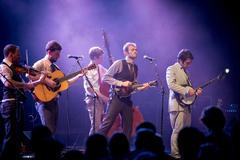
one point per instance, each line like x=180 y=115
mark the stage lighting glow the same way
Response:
x=227 y=70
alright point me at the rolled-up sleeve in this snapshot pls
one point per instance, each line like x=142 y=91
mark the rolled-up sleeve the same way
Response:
x=38 y=66
x=115 y=68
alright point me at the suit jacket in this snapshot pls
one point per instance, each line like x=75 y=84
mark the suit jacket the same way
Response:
x=176 y=77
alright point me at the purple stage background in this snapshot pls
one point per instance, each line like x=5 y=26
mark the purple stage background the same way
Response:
x=159 y=27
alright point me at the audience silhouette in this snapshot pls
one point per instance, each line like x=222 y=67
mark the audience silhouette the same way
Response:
x=119 y=146
x=216 y=144
x=189 y=140
x=214 y=119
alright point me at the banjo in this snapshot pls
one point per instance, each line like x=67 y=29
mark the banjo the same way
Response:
x=186 y=100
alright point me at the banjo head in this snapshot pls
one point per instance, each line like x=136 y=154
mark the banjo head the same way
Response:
x=188 y=100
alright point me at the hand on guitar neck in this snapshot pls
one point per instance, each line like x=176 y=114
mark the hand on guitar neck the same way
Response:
x=127 y=88
x=141 y=87
x=193 y=92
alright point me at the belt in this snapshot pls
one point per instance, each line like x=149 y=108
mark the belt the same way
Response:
x=9 y=99
x=90 y=96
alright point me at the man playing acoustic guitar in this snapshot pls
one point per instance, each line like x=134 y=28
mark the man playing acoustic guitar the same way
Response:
x=122 y=73
x=48 y=110
x=179 y=85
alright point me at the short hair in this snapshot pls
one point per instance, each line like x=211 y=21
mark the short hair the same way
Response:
x=213 y=118
x=126 y=46
x=184 y=54
x=146 y=125
x=9 y=48
x=53 y=46
x=95 y=52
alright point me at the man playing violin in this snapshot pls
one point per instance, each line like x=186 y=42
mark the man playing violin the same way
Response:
x=179 y=84
x=48 y=111
x=11 y=107
x=122 y=73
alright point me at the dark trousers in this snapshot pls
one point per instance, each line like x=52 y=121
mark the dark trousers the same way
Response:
x=12 y=117
x=2 y=132
x=48 y=113
x=118 y=105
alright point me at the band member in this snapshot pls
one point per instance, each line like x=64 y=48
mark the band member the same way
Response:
x=11 y=107
x=122 y=73
x=48 y=111
x=177 y=78
x=95 y=100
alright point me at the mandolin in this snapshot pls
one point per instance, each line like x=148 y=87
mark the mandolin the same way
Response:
x=127 y=91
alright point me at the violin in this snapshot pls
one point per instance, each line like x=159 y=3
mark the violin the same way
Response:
x=26 y=70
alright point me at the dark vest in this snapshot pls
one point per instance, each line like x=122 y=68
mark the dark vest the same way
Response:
x=10 y=92
x=125 y=74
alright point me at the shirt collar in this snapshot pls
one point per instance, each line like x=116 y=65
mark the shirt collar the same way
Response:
x=7 y=62
x=179 y=65
x=129 y=60
x=46 y=58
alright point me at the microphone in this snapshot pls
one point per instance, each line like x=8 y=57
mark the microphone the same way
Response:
x=75 y=57
x=148 y=58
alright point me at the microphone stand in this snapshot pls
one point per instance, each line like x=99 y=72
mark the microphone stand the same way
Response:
x=95 y=95
x=162 y=91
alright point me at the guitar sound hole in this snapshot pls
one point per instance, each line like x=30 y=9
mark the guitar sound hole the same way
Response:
x=58 y=85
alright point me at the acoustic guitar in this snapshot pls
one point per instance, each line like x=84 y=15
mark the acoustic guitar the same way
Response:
x=44 y=93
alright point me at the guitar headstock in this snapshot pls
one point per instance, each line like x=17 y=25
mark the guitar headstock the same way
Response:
x=222 y=75
x=91 y=66
x=153 y=83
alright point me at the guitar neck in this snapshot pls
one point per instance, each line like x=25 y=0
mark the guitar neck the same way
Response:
x=151 y=83
x=135 y=86
x=208 y=82
x=65 y=78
